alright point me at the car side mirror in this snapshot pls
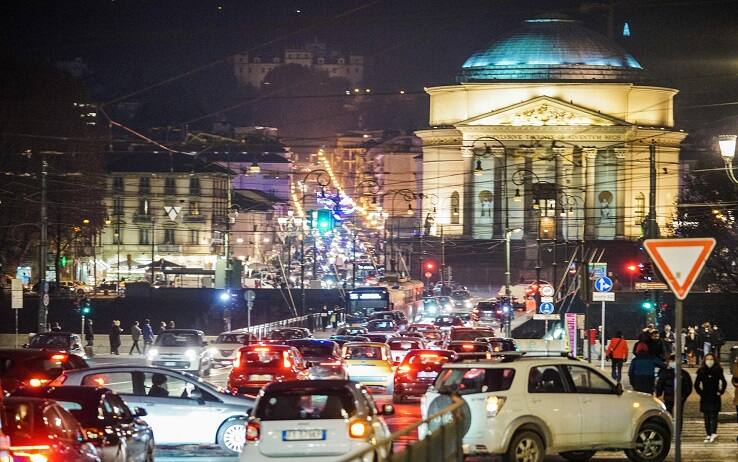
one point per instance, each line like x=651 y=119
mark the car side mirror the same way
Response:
x=619 y=389
x=388 y=409
x=140 y=412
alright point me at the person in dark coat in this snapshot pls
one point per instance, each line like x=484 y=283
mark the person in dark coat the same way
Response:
x=693 y=347
x=642 y=370
x=718 y=340
x=710 y=385
x=148 y=334
x=89 y=334
x=114 y=336
x=665 y=386
x=656 y=346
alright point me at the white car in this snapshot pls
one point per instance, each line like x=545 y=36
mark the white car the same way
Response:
x=180 y=408
x=181 y=349
x=316 y=420
x=224 y=349
x=526 y=407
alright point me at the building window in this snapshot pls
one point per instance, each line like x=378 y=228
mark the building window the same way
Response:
x=194 y=236
x=639 y=214
x=143 y=237
x=170 y=186
x=143 y=207
x=118 y=206
x=144 y=185
x=116 y=238
x=169 y=236
x=194 y=208
x=118 y=184
x=195 y=186
x=455 y=205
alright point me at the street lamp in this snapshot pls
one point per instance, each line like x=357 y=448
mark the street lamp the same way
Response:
x=727 y=151
x=508 y=233
x=323 y=179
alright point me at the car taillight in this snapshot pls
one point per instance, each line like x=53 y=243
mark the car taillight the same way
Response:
x=404 y=369
x=59 y=357
x=237 y=361
x=359 y=429
x=286 y=363
x=31 y=453
x=35 y=382
x=494 y=404
x=253 y=431
x=58 y=381
x=467 y=346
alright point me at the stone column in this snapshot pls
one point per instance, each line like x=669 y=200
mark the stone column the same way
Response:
x=620 y=214
x=590 y=201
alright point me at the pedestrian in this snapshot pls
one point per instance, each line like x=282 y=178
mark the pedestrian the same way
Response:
x=734 y=381
x=324 y=318
x=135 y=337
x=642 y=370
x=665 y=386
x=171 y=325
x=656 y=346
x=336 y=319
x=706 y=339
x=692 y=344
x=148 y=334
x=617 y=353
x=710 y=385
x=114 y=337
x=89 y=334
x=718 y=340
x=162 y=326
x=55 y=327
x=667 y=339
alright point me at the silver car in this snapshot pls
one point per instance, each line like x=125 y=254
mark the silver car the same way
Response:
x=181 y=349
x=181 y=408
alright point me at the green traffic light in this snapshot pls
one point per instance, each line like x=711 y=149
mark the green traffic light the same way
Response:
x=647 y=305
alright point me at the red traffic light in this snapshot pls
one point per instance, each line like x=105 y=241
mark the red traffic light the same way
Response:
x=430 y=265
x=632 y=267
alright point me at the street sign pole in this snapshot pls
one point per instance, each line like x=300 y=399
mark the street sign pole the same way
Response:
x=602 y=339
x=678 y=313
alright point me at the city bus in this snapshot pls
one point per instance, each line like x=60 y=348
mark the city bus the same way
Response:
x=406 y=296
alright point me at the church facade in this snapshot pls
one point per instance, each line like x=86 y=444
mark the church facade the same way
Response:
x=548 y=134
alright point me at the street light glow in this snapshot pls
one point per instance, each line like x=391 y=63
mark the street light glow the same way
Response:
x=727 y=146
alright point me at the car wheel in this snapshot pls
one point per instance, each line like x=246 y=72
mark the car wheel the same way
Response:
x=232 y=436
x=526 y=446
x=578 y=456
x=398 y=399
x=652 y=444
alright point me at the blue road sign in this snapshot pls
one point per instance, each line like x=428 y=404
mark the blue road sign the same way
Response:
x=603 y=284
x=546 y=308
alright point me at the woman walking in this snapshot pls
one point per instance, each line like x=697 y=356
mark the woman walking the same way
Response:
x=114 y=336
x=710 y=385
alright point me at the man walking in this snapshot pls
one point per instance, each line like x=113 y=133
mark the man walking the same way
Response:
x=148 y=334
x=135 y=337
x=617 y=353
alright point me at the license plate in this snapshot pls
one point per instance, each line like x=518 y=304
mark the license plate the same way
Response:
x=427 y=375
x=170 y=364
x=303 y=435
x=260 y=378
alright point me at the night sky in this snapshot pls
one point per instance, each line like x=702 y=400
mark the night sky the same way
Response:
x=128 y=45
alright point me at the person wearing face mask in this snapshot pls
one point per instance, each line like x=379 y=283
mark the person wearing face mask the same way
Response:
x=710 y=385
x=665 y=385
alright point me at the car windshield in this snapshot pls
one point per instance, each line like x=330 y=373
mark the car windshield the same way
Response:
x=460 y=294
x=403 y=345
x=382 y=315
x=178 y=339
x=429 y=302
x=316 y=351
x=380 y=325
x=302 y=404
x=363 y=352
x=50 y=340
x=425 y=360
x=471 y=334
x=50 y=367
x=84 y=410
x=502 y=345
x=475 y=380
x=262 y=357
x=230 y=338
x=432 y=334
x=285 y=334
x=469 y=347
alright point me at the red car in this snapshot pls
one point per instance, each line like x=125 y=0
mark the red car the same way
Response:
x=257 y=365
x=34 y=368
x=417 y=372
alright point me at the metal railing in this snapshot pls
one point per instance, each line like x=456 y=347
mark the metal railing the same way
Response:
x=442 y=441
x=311 y=321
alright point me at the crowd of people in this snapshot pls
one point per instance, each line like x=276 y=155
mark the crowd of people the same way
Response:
x=652 y=369
x=137 y=331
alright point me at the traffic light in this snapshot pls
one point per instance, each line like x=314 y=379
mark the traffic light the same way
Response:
x=647 y=304
x=632 y=267
x=86 y=307
x=325 y=221
x=430 y=266
x=63 y=261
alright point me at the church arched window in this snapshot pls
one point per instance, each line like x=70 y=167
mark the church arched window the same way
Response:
x=639 y=212
x=455 y=205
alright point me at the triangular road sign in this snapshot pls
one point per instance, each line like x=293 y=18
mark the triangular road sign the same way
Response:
x=680 y=260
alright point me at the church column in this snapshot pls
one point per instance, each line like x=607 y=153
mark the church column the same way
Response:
x=561 y=180
x=620 y=215
x=590 y=201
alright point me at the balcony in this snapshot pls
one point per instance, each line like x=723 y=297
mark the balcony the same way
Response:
x=194 y=219
x=141 y=218
x=169 y=248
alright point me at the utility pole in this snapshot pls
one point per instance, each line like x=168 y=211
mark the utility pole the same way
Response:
x=302 y=260
x=443 y=260
x=653 y=227
x=508 y=232
x=43 y=248
x=584 y=294
x=153 y=243
x=353 y=263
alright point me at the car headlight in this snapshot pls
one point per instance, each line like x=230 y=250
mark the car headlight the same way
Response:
x=468 y=304
x=153 y=353
x=190 y=354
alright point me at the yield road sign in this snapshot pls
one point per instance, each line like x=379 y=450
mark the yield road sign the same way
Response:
x=603 y=284
x=546 y=308
x=680 y=260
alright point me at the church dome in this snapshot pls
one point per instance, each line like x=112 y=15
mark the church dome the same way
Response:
x=552 y=48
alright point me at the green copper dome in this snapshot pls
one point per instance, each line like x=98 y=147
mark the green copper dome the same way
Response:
x=552 y=48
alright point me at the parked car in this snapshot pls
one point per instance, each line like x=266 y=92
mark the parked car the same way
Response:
x=259 y=364
x=34 y=368
x=417 y=372
x=181 y=349
x=41 y=430
x=322 y=357
x=224 y=348
x=540 y=405
x=118 y=434
x=60 y=341
x=369 y=363
x=166 y=396
x=315 y=419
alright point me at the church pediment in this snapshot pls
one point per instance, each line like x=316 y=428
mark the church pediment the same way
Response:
x=543 y=111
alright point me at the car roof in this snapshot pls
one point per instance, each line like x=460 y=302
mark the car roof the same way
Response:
x=373 y=344
x=53 y=333
x=272 y=346
x=185 y=331
x=510 y=359
x=291 y=385
x=310 y=341
x=36 y=402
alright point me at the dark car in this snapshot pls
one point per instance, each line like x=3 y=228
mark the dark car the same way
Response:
x=380 y=337
x=34 y=368
x=351 y=330
x=447 y=321
x=323 y=358
x=109 y=424
x=287 y=333
x=400 y=319
x=379 y=315
x=470 y=333
x=341 y=339
x=499 y=344
x=417 y=372
x=40 y=429
x=59 y=341
x=381 y=325
x=466 y=349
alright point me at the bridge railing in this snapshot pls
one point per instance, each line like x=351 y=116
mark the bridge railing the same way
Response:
x=442 y=441
x=311 y=321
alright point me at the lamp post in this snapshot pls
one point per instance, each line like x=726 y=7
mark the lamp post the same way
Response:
x=508 y=233
x=727 y=151
x=323 y=179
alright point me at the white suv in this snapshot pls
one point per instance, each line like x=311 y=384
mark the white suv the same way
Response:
x=524 y=407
